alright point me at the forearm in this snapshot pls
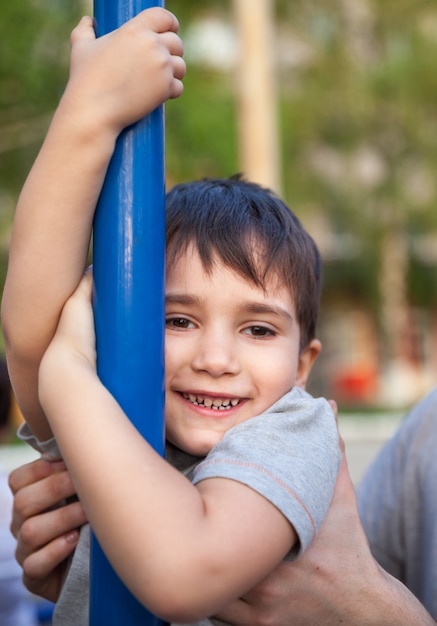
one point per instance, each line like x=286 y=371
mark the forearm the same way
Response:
x=393 y=603
x=114 y=81
x=375 y=598
x=284 y=599
x=335 y=581
x=49 y=246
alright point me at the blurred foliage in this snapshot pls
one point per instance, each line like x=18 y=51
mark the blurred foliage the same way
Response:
x=34 y=47
x=367 y=92
x=357 y=104
x=201 y=128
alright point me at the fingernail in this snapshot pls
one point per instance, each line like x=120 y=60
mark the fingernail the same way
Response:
x=72 y=537
x=58 y=466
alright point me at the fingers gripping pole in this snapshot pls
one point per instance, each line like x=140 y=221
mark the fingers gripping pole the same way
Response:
x=129 y=248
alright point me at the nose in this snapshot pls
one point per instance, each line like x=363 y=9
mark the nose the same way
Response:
x=217 y=355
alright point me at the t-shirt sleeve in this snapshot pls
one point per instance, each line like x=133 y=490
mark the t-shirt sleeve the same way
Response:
x=289 y=455
x=48 y=449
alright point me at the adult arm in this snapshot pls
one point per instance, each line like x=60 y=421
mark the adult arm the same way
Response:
x=114 y=81
x=335 y=581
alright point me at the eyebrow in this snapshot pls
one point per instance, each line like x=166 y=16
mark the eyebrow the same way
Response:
x=257 y=308
x=181 y=298
x=263 y=308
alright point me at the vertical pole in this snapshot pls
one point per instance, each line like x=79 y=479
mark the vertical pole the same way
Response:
x=129 y=248
x=256 y=92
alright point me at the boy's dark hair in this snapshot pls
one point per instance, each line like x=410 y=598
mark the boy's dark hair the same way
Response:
x=252 y=232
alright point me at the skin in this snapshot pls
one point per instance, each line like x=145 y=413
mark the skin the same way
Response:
x=336 y=581
x=49 y=335
x=114 y=81
x=45 y=527
x=226 y=342
x=216 y=342
x=45 y=267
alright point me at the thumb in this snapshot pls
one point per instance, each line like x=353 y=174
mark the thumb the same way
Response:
x=84 y=30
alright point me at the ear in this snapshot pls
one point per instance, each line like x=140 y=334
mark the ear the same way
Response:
x=307 y=359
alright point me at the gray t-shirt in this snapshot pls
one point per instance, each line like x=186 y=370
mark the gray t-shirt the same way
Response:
x=289 y=454
x=397 y=500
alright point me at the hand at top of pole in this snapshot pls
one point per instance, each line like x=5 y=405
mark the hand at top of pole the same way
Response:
x=127 y=73
x=114 y=81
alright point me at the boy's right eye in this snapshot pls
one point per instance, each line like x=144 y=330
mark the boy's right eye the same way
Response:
x=181 y=323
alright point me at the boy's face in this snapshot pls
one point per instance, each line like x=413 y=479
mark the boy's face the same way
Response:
x=230 y=345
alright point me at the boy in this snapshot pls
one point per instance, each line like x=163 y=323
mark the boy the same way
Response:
x=242 y=290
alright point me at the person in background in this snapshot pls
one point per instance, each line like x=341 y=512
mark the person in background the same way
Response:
x=397 y=501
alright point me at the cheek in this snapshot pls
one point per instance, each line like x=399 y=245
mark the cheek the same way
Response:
x=278 y=371
x=175 y=355
x=169 y=367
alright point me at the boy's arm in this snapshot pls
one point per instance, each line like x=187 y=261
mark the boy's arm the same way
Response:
x=183 y=550
x=334 y=581
x=114 y=81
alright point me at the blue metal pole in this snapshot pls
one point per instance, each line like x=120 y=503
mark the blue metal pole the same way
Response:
x=129 y=249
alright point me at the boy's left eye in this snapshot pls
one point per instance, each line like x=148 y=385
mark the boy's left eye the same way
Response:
x=259 y=331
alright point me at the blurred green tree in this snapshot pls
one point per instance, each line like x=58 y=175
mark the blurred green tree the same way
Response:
x=358 y=120
x=34 y=47
x=356 y=88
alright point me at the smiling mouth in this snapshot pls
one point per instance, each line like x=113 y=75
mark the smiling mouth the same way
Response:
x=219 y=404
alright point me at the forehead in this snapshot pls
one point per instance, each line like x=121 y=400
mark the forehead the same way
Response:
x=189 y=275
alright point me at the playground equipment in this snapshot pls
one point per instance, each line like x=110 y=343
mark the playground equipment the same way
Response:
x=129 y=249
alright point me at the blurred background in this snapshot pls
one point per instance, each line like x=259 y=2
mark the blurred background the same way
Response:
x=332 y=104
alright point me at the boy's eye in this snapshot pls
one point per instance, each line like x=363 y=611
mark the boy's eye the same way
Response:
x=259 y=331
x=179 y=322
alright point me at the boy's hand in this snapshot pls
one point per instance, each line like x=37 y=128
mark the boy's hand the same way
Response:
x=45 y=527
x=74 y=343
x=118 y=78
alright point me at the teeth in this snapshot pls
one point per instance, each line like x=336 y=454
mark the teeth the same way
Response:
x=221 y=404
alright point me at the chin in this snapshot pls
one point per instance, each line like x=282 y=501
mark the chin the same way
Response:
x=201 y=445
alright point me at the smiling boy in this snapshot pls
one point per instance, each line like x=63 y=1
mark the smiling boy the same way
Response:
x=242 y=295
x=261 y=454
x=231 y=351
x=237 y=339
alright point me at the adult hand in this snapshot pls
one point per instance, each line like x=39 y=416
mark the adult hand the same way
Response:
x=45 y=526
x=335 y=581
